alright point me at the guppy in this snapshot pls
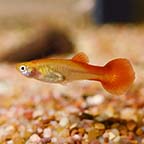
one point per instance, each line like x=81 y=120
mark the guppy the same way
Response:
x=116 y=76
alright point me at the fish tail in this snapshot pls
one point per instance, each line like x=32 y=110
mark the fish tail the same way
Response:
x=119 y=76
x=116 y=76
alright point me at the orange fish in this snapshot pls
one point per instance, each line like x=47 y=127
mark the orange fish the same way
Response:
x=116 y=76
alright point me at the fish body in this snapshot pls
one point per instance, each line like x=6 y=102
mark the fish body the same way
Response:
x=116 y=76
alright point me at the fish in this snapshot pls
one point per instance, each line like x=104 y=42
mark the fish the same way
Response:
x=116 y=76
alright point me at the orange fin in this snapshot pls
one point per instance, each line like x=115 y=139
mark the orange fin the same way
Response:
x=120 y=76
x=81 y=57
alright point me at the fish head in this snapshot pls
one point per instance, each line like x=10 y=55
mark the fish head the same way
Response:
x=26 y=69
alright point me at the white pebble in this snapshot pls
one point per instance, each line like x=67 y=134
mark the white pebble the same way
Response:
x=39 y=130
x=37 y=113
x=115 y=131
x=111 y=136
x=9 y=129
x=54 y=140
x=34 y=138
x=47 y=133
x=6 y=131
x=142 y=141
x=117 y=139
x=51 y=112
x=64 y=122
x=53 y=123
x=128 y=113
x=85 y=137
x=76 y=137
x=95 y=100
x=30 y=130
x=72 y=109
x=10 y=142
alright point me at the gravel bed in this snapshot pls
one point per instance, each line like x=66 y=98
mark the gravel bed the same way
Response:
x=33 y=112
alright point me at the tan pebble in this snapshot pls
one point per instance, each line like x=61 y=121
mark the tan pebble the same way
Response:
x=81 y=131
x=64 y=132
x=123 y=130
x=27 y=134
x=73 y=132
x=131 y=125
x=77 y=142
x=115 y=131
x=93 y=134
x=109 y=112
x=2 y=119
x=74 y=119
x=131 y=135
x=64 y=122
x=111 y=135
x=115 y=125
x=19 y=140
x=84 y=142
x=59 y=129
x=48 y=119
x=139 y=131
x=73 y=126
x=99 y=126
x=134 y=142
x=106 y=140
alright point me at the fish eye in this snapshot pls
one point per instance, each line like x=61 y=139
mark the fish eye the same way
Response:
x=22 y=68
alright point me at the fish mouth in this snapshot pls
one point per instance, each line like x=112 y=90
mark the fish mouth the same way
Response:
x=26 y=73
x=29 y=72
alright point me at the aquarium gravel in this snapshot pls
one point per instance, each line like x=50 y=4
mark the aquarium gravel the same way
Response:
x=33 y=112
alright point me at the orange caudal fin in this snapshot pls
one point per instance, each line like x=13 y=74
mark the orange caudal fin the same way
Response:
x=119 y=76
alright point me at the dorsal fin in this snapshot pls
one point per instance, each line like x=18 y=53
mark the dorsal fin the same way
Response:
x=81 y=57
